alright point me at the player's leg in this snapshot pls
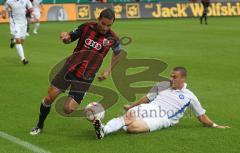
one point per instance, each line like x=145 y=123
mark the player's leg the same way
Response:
x=142 y=118
x=138 y=126
x=20 y=51
x=45 y=108
x=70 y=105
x=149 y=124
x=12 y=31
x=58 y=85
x=203 y=13
x=115 y=124
x=37 y=21
x=77 y=92
x=206 y=11
x=28 y=16
x=12 y=41
x=19 y=35
x=28 y=26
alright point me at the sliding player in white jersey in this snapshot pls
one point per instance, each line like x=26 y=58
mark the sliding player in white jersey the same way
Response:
x=37 y=6
x=18 y=22
x=162 y=107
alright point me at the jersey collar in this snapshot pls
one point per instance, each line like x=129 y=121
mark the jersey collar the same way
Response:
x=183 y=88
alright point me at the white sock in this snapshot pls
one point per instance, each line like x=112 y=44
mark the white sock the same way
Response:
x=36 y=27
x=114 y=125
x=20 y=51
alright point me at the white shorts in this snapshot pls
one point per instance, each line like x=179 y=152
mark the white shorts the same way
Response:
x=19 y=30
x=12 y=31
x=36 y=14
x=151 y=115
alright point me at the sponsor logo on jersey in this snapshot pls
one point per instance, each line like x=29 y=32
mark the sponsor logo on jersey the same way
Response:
x=91 y=43
x=105 y=42
x=181 y=96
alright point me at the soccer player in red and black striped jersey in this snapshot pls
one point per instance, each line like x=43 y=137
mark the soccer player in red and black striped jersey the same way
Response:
x=94 y=41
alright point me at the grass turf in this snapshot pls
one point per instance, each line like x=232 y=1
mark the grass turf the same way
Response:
x=210 y=53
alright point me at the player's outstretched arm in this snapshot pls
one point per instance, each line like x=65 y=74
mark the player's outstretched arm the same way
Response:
x=4 y=14
x=5 y=9
x=205 y=120
x=65 y=37
x=115 y=59
x=142 y=100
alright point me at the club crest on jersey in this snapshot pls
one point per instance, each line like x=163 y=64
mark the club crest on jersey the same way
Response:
x=181 y=96
x=91 y=43
x=105 y=42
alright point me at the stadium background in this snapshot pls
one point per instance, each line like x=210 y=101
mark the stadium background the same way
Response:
x=210 y=53
x=71 y=10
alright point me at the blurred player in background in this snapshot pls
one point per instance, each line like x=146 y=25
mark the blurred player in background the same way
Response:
x=28 y=16
x=18 y=23
x=37 y=7
x=162 y=107
x=94 y=41
x=205 y=4
x=11 y=25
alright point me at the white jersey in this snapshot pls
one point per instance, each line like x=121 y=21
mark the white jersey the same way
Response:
x=18 y=10
x=36 y=5
x=174 y=103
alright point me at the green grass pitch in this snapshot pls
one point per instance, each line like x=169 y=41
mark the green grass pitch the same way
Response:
x=210 y=53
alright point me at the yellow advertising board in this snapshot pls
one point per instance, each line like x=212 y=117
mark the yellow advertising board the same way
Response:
x=72 y=12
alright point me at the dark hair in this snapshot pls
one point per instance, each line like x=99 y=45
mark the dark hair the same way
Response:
x=107 y=13
x=181 y=69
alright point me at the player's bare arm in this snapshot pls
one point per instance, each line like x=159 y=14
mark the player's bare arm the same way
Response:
x=206 y=121
x=30 y=10
x=115 y=59
x=142 y=100
x=65 y=37
x=4 y=14
x=4 y=11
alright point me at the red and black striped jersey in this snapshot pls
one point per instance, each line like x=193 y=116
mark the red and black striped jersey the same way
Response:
x=91 y=49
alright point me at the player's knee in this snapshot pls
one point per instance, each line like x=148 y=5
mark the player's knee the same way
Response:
x=137 y=127
x=129 y=118
x=18 y=41
x=133 y=128
x=68 y=109
x=48 y=100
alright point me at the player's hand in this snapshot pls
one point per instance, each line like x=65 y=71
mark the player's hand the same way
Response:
x=65 y=37
x=104 y=75
x=222 y=127
x=127 y=107
x=3 y=16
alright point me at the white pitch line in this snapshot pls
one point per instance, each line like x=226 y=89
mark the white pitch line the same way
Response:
x=25 y=144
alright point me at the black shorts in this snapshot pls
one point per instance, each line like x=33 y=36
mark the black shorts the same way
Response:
x=77 y=86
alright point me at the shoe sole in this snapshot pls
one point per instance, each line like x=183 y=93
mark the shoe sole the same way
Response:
x=97 y=129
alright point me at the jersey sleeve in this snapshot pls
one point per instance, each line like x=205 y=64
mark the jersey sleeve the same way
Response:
x=153 y=92
x=75 y=34
x=160 y=86
x=116 y=47
x=196 y=106
x=29 y=4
